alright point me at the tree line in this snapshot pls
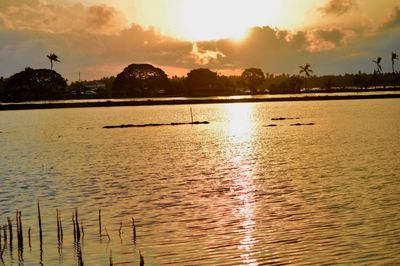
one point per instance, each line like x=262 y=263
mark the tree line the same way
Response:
x=145 y=80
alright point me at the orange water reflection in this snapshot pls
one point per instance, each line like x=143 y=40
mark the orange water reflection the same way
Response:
x=241 y=130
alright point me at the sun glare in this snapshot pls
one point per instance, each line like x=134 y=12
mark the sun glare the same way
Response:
x=210 y=19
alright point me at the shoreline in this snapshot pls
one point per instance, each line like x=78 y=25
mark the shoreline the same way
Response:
x=33 y=106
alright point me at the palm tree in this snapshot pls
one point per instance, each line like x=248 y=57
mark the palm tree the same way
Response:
x=53 y=57
x=306 y=69
x=378 y=64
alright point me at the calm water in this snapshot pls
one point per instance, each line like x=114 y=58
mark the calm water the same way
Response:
x=234 y=192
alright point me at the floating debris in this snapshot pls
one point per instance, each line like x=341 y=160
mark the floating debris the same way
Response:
x=157 y=125
x=284 y=118
x=272 y=125
x=301 y=124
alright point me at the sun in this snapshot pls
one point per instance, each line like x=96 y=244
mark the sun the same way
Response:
x=211 y=19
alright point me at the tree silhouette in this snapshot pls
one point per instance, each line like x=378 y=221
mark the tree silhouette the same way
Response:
x=253 y=78
x=378 y=64
x=306 y=70
x=35 y=84
x=52 y=58
x=202 y=81
x=378 y=72
x=140 y=80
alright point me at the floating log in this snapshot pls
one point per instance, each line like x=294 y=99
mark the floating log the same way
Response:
x=157 y=125
x=301 y=124
x=284 y=118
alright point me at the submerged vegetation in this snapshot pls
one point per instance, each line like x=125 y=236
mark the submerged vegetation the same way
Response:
x=145 y=80
x=13 y=228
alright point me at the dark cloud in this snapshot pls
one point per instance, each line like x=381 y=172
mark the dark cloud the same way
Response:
x=338 y=7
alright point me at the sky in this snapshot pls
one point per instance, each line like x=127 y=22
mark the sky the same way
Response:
x=99 y=38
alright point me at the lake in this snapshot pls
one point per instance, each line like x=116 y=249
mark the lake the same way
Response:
x=237 y=191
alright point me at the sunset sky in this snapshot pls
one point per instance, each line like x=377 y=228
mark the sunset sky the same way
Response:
x=99 y=38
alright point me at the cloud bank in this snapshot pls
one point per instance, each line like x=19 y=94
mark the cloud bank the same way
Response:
x=97 y=40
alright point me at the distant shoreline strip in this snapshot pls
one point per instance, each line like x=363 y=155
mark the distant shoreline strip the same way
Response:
x=32 y=106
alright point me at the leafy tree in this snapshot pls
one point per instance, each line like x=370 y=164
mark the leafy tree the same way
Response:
x=306 y=70
x=176 y=86
x=294 y=83
x=109 y=82
x=201 y=81
x=252 y=78
x=3 y=83
x=35 y=84
x=53 y=58
x=140 y=80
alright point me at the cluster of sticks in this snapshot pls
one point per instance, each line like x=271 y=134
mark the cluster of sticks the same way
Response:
x=6 y=234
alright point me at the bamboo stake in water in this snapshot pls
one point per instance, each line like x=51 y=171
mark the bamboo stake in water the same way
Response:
x=78 y=231
x=120 y=230
x=100 y=223
x=141 y=259
x=134 y=229
x=61 y=228
x=73 y=224
x=111 y=261
x=40 y=226
x=58 y=227
x=29 y=237
x=10 y=232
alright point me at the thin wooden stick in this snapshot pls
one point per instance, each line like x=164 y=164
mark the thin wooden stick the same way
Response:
x=105 y=228
x=74 y=226
x=10 y=232
x=111 y=260
x=40 y=225
x=78 y=231
x=120 y=229
x=58 y=227
x=61 y=228
x=29 y=237
x=134 y=229
x=100 y=234
x=141 y=259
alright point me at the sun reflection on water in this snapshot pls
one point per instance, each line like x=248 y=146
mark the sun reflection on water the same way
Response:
x=240 y=120
x=241 y=129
